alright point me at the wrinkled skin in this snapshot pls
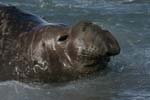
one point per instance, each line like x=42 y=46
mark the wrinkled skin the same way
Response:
x=33 y=49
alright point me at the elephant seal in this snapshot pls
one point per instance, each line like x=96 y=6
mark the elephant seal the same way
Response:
x=31 y=49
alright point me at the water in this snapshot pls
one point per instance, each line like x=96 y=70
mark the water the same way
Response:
x=128 y=77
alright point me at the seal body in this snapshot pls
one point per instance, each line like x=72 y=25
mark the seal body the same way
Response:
x=33 y=49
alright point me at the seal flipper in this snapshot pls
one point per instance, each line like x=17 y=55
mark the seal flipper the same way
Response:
x=14 y=21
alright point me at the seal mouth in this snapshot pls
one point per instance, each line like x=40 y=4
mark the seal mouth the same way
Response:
x=94 y=65
x=100 y=62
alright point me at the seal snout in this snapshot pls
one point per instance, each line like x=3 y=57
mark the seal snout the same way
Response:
x=112 y=45
x=93 y=46
x=113 y=50
x=103 y=43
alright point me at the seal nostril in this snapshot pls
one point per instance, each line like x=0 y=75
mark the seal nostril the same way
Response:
x=113 y=49
x=113 y=52
x=108 y=54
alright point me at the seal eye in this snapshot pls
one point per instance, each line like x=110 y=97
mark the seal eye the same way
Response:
x=62 y=38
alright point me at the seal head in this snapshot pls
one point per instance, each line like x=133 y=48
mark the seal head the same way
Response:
x=90 y=47
x=33 y=49
x=66 y=53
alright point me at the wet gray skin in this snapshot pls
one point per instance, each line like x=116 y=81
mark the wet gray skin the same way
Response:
x=91 y=46
x=33 y=49
x=127 y=75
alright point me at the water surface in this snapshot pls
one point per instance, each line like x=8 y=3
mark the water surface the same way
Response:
x=128 y=75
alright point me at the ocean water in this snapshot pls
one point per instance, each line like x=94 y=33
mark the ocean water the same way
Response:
x=128 y=75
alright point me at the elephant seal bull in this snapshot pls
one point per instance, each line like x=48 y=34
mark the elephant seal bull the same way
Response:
x=33 y=49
